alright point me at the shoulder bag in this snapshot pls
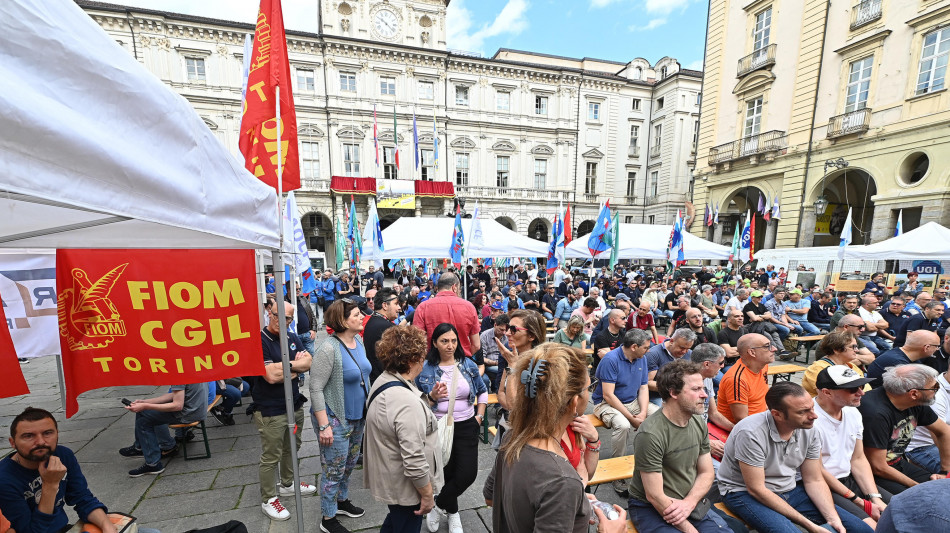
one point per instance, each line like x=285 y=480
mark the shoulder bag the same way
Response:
x=362 y=377
x=447 y=422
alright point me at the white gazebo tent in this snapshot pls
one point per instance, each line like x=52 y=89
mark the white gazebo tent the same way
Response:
x=431 y=237
x=930 y=241
x=650 y=241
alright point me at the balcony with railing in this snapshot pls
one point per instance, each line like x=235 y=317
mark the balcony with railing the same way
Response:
x=655 y=150
x=633 y=151
x=316 y=185
x=761 y=58
x=849 y=123
x=753 y=145
x=865 y=13
x=509 y=193
x=589 y=198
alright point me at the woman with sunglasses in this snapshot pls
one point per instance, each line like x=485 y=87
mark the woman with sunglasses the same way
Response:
x=840 y=348
x=532 y=486
x=526 y=330
x=339 y=387
x=446 y=365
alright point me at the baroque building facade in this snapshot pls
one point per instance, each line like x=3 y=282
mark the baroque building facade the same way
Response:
x=825 y=105
x=520 y=132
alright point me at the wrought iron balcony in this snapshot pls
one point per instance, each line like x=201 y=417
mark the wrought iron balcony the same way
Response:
x=865 y=13
x=848 y=123
x=761 y=58
x=763 y=143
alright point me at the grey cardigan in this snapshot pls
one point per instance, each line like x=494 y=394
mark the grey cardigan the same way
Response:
x=326 y=378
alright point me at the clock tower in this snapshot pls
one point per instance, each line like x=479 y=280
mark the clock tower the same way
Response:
x=419 y=23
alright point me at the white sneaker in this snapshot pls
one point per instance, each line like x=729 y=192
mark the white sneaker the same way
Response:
x=306 y=489
x=433 y=519
x=455 y=523
x=274 y=510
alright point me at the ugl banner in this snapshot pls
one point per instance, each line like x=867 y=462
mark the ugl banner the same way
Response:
x=156 y=317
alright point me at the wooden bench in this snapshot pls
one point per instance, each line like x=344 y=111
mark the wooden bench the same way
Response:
x=613 y=469
x=783 y=372
x=201 y=427
x=809 y=342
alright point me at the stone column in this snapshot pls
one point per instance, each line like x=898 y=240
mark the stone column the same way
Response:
x=806 y=227
x=771 y=227
x=717 y=233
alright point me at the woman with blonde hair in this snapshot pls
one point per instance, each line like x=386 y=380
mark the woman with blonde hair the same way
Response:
x=573 y=335
x=532 y=486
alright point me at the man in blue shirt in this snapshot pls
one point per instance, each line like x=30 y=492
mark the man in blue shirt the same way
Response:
x=327 y=288
x=565 y=307
x=678 y=346
x=621 y=396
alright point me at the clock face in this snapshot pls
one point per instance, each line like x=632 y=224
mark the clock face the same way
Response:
x=386 y=23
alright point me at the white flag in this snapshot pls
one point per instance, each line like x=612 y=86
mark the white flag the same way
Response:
x=300 y=257
x=845 y=236
x=372 y=236
x=477 y=238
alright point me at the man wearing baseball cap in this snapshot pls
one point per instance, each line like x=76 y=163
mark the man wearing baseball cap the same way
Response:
x=840 y=428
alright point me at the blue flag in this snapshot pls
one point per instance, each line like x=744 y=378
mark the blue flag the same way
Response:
x=458 y=240
x=597 y=242
x=557 y=239
x=352 y=234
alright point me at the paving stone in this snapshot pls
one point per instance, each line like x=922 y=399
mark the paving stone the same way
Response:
x=234 y=476
x=219 y=459
x=182 y=483
x=180 y=505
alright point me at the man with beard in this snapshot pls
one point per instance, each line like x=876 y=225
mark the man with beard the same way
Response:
x=40 y=478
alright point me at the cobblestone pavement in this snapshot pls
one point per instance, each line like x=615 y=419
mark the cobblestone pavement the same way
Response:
x=207 y=492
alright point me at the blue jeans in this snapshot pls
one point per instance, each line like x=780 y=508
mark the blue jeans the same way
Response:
x=230 y=396
x=765 y=520
x=401 y=519
x=548 y=316
x=809 y=328
x=645 y=518
x=308 y=343
x=879 y=342
x=926 y=457
x=782 y=329
x=152 y=435
x=338 y=461
x=867 y=343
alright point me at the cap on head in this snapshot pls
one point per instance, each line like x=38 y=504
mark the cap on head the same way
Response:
x=795 y=291
x=756 y=294
x=622 y=296
x=840 y=377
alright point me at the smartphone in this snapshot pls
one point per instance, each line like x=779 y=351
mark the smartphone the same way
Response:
x=126 y=401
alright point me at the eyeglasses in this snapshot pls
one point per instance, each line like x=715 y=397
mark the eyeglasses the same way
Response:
x=764 y=346
x=853 y=346
x=932 y=389
x=859 y=326
x=287 y=318
x=931 y=346
x=513 y=329
x=390 y=299
x=852 y=390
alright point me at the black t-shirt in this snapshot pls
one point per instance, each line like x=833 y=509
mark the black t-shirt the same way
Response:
x=678 y=315
x=532 y=297
x=549 y=300
x=888 y=428
x=706 y=335
x=269 y=397
x=670 y=300
x=918 y=321
x=373 y=331
x=606 y=339
x=487 y=323
x=731 y=336
x=757 y=309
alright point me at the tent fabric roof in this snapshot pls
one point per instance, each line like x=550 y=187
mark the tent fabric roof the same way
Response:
x=649 y=241
x=99 y=153
x=930 y=241
x=431 y=237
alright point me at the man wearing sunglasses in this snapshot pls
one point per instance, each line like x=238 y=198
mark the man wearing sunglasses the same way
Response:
x=930 y=320
x=920 y=345
x=891 y=414
x=384 y=313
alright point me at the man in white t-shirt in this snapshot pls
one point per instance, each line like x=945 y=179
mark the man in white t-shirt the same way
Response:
x=841 y=430
x=875 y=326
x=922 y=450
x=532 y=272
x=738 y=301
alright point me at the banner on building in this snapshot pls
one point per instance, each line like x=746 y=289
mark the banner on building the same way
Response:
x=832 y=221
x=395 y=194
x=28 y=286
x=156 y=317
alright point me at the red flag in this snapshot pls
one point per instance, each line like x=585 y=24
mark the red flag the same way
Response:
x=127 y=318
x=259 y=133
x=13 y=382
x=567 y=225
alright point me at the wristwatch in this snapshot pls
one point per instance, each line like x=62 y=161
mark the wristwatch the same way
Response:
x=321 y=428
x=872 y=495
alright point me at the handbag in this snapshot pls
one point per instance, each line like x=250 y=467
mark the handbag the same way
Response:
x=699 y=512
x=447 y=422
x=124 y=523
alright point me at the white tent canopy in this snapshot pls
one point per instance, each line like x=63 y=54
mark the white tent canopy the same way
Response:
x=98 y=153
x=650 y=241
x=431 y=237
x=778 y=256
x=930 y=241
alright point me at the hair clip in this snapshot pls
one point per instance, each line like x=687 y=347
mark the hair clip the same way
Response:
x=529 y=377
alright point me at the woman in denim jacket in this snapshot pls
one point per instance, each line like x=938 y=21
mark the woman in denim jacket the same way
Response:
x=444 y=361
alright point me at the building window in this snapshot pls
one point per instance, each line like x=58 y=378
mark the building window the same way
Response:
x=658 y=135
x=310 y=159
x=540 y=105
x=753 y=117
x=502 y=164
x=631 y=184
x=351 y=160
x=461 y=95
x=593 y=111
x=390 y=172
x=859 y=81
x=634 y=136
x=348 y=82
x=699 y=99
x=760 y=35
x=540 y=174
x=461 y=170
x=590 y=178
x=305 y=79
x=196 y=68
x=427 y=158
x=636 y=104
x=659 y=103
x=426 y=90
x=654 y=183
x=933 y=61
x=695 y=133
x=503 y=101
x=387 y=86
x=651 y=219
x=662 y=73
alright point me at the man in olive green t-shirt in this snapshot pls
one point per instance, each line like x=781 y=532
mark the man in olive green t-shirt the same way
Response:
x=673 y=469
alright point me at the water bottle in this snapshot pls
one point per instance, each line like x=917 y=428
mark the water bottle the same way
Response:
x=606 y=508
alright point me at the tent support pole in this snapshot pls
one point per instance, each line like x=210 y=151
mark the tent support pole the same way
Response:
x=62 y=380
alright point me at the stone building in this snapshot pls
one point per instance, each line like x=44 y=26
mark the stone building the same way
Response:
x=827 y=105
x=520 y=132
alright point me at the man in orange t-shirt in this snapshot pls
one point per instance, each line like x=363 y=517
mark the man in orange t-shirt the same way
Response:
x=742 y=390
